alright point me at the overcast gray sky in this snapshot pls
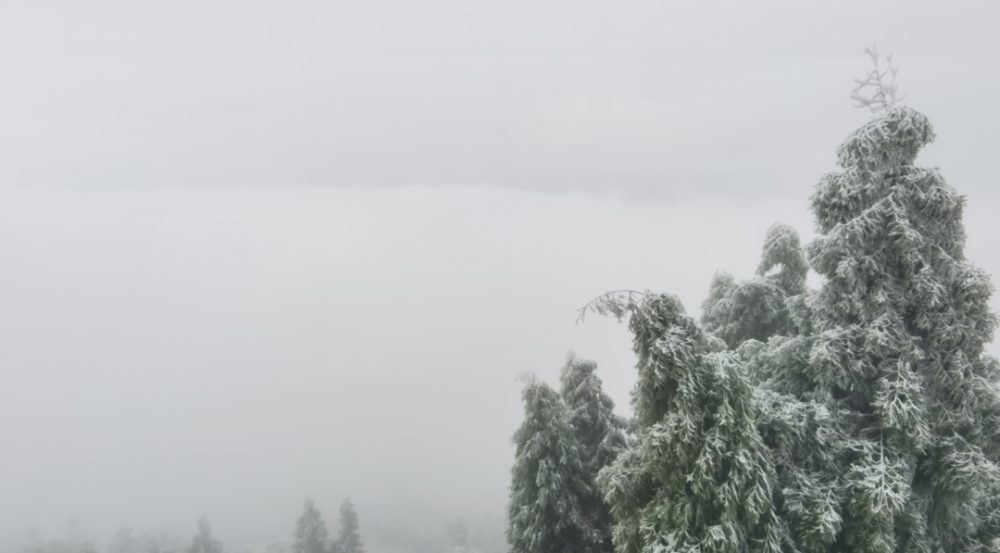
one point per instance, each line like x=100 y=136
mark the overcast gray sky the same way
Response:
x=641 y=98
x=254 y=250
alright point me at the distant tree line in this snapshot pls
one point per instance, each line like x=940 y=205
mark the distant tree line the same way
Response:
x=310 y=537
x=425 y=532
x=311 y=533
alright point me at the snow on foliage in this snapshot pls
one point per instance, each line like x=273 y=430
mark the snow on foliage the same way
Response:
x=868 y=420
x=600 y=435
x=600 y=432
x=898 y=350
x=618 y=304
x=699 y=477
x=756 y=309
x=783 y=259
x=883 y=81
x=549 y=483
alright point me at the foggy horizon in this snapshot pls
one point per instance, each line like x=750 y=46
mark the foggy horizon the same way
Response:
x=255 y=252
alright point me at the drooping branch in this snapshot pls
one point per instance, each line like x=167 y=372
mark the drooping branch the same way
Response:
x=618 y=304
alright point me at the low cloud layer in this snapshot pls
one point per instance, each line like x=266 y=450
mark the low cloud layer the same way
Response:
x=174 y=353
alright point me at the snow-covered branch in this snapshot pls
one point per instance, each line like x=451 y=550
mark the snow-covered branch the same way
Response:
x=882 y=80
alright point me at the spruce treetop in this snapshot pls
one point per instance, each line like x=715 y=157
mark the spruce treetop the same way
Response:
x=591 y=413
x=756 y=309
x=599 y=432
x=783 y=260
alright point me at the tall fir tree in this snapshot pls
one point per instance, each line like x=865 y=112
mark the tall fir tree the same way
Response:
x=310 y=530
x=549 y=487
x=699 y=478
x=350 y=537
x=897 y=355
x=203 y=542
x=599 y=432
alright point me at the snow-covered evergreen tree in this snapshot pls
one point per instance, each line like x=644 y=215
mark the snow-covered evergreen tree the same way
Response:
x=874 y=417
x=884 y=418
x=898 y=353
x=599 y=432
x=350 y=538
x=756 y=309
x=699 y=478
x=549 y=483
x=203 y=542
x=310 y=531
